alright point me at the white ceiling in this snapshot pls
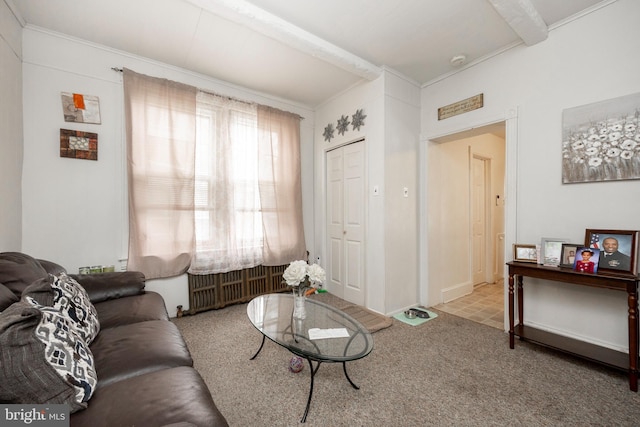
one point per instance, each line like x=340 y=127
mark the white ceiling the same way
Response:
x=305 y=50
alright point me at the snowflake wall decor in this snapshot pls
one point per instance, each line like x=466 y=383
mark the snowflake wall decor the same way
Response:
x=343 y=124
x=328 y=132
x=357 y=120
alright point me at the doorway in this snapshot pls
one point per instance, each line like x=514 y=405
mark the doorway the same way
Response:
x=345 y=183
x=466 y=211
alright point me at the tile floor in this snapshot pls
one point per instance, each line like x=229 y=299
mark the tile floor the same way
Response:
x=485 y=305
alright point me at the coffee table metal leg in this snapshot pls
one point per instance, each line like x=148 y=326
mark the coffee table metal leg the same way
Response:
x=313 y=374
x=261 y=345
x=344 y=367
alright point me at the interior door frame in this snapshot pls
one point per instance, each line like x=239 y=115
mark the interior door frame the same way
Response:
x=510 y=118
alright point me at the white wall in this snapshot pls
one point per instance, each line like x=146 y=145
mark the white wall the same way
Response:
x=10 y=131
x=391 y=134
x=402 y=124
x=75 y=211
x=584 y=61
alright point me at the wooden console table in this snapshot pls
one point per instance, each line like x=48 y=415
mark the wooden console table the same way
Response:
x=617 y=282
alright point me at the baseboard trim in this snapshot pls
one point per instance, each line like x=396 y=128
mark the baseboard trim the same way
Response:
x=456 y=291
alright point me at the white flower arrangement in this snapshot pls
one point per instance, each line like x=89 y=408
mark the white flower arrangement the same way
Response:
x=299 y=273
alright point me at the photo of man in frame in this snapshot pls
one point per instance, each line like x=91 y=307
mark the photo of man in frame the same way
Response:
x=615 y=250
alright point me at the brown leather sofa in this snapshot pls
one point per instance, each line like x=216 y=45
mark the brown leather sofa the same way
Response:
x=145 y=374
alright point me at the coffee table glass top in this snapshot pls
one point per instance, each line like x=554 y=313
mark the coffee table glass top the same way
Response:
x=271 y=314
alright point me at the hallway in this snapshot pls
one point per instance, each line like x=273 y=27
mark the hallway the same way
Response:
x=485 y=305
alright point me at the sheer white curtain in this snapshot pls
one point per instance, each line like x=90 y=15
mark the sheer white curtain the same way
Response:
x=160 y=128
x=214 y=182
x=228 y=221
x=280 y=186
x=248 y=191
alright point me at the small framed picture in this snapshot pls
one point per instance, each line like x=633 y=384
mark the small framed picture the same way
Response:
x=78 y=144
x=618 y=249
x=587 y=260
x=551 y=251
x=525 y=253
x=568 y=254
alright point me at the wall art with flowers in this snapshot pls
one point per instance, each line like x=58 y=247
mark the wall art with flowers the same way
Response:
x=601 y=141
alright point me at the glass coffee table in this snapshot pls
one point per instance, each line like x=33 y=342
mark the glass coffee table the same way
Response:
x=325 y=335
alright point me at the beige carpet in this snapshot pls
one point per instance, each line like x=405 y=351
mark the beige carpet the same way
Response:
x=454 y=372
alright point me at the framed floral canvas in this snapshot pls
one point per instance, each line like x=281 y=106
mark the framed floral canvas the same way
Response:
x=601 y=141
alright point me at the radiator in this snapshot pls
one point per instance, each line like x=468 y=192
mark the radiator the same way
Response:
x=212 y=291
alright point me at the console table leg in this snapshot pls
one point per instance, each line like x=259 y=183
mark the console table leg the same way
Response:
x=520 y=301
x=511 y=294
x=633 y=337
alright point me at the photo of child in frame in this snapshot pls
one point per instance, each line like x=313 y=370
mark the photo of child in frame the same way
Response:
x=586 y=260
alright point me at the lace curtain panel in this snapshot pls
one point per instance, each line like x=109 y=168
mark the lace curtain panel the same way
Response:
x=222 y=195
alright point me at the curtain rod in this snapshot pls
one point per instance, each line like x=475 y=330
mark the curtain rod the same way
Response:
x=120 y=70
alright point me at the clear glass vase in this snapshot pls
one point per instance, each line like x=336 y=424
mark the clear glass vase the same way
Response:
x=299 y=309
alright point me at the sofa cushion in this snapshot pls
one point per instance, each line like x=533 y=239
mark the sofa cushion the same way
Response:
x=129 y=350
x=67 y=296
x=72 y=300
x=169 y=396
x=133 y=309
x=43 y=359
x=18 y=270
x=6 y=297
x=107 y=286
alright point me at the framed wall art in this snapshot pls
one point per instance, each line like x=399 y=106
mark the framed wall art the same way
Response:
x=618 y=249
x=525 y=253
x=601 y=141
x=78 y=145
x=80 y=108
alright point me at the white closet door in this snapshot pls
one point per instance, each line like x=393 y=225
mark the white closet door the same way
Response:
x=345 y=222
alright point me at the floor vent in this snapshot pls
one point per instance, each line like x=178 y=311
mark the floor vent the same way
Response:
x=212 y=291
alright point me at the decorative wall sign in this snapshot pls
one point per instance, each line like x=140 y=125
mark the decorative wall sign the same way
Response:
x=601 y=141
x=80 y=108
x=460 y=107
x=78 y=145
x=328 y=132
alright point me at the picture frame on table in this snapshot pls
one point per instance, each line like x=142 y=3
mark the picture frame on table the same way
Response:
x=568 y=254
x=551 y=248
x=618 y=249
x=525 y=253
x=587 y=260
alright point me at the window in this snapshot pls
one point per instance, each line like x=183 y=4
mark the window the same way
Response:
x=214 y=183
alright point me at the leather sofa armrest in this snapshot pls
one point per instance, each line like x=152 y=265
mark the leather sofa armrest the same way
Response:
x=106 y=286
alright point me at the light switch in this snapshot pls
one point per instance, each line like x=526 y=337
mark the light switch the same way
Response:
x=376 y=190
x=405 y=192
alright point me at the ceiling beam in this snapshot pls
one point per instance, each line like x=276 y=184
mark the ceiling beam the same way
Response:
x=523 y=18
x=257 y=19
